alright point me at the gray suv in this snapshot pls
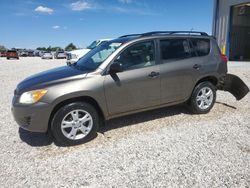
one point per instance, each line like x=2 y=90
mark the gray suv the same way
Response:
x=130 y=74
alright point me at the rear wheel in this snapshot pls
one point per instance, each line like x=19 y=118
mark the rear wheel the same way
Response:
x=203 y=98
x=75 y=123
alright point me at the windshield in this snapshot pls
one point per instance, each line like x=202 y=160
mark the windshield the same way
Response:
x=97 y=56
x=93 y=44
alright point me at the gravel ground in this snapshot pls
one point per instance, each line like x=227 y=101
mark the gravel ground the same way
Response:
x=161 y=148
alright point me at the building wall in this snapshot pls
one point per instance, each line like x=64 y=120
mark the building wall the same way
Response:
x=222 y=21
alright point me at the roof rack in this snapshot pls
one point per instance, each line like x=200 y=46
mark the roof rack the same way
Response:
x=174 y=32
x=165 y=33
x=130 y=35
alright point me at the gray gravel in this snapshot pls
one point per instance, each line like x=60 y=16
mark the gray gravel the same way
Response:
x=162 y=148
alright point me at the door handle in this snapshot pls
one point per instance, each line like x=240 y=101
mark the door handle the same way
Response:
x=154 y=74
x=197 y=66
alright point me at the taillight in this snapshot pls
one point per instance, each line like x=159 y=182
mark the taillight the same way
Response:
x=223 y=58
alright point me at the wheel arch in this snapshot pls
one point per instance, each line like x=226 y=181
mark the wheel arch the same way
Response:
x=87 y=99
x=210 y=78
x=213 y=79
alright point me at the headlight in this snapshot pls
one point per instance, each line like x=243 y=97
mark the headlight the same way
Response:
x=31 y=97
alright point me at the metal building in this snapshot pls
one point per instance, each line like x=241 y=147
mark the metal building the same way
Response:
x=231 y=27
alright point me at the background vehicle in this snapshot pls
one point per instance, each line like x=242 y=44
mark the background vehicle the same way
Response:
x=37 y=53
x=12 y=54
x=60 y=55
x=47 y=55
x=31 y=53
x=75 y=55
x=3 y=54
x=127 y=75
x=24 y=54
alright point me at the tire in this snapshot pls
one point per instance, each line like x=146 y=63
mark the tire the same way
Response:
x=72 y=115
x=203 y=98
x=8 y=58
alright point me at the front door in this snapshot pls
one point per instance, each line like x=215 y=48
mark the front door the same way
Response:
x=138 y=85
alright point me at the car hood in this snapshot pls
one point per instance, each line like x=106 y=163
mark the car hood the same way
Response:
x=49 y=77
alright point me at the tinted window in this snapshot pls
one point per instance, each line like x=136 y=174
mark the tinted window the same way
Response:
x=201 y=46
x=173 y=49
x=137 y=56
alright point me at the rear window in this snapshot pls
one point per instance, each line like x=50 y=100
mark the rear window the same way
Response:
x=12 y=51
x=201 y=46
x=174 y=49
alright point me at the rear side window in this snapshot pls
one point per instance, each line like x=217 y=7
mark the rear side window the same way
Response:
x=174 y=49
x=201 y=46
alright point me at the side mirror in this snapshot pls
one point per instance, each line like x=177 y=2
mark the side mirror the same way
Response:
x=115 y=68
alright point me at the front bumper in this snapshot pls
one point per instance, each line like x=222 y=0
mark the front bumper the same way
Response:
x=34 y=118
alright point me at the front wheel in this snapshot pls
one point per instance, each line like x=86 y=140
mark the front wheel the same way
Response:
x=203 y=98
x=75 y=123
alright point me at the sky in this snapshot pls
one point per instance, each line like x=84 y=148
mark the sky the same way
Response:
x=43 y=23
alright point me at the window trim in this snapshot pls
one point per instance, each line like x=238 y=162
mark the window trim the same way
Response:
x=106 y=72
x=162 y=61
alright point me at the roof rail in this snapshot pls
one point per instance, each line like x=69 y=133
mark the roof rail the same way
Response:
x=165 y=33
x=130 y=35
x=156 y=32
x=174 y=32
x=190 y=32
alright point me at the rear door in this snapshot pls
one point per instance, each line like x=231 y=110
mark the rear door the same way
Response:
x=179 y=69
x=138 y=86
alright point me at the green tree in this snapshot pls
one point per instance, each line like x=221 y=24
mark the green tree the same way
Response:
x=54 y=49
x=41 y=48
x=2 y=48
x=49 y=49
x=70 y=47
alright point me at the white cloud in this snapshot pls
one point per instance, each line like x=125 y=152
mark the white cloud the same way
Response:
x=80 y=5
x=42 y=9
x=125 y=1
x=56 y=27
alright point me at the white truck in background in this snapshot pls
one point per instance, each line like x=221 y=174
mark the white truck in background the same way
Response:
x=75 y=55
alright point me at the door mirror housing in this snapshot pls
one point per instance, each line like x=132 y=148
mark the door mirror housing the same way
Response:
x=115 y=68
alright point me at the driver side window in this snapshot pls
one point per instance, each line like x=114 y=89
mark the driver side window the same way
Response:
x=137 y=56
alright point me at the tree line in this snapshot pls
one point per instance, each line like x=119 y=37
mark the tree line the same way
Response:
x=69 y=47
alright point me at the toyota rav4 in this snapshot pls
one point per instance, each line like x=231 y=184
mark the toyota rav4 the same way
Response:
x=130 y=74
